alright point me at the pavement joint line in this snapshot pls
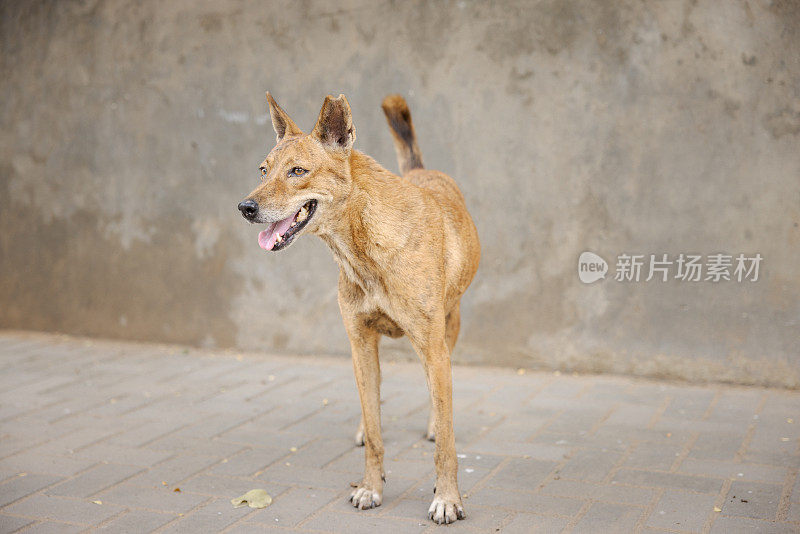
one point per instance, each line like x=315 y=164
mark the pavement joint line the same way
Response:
x=660 y=411
x=751 y=428
x=160 y=436
x=304 y=418
x=719 y=502
x=166 y=525
x=38 y=493
x=649 y=509
x=482 y=482
x=541 y=430
x=583 y=391
x=600 y=422
x=39 y=521
x=108 y=520
x=221 y=391
x=620 y=463
x=582 y=511
x=786 y=493
x=328 y=508
x=712 y=405
x=685 y=450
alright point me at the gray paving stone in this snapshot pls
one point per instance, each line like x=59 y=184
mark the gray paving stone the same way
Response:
x=637 y=477
x=611 y=493
x=210 y=517
x=526 y=502
x=94 y=480
x=522 y=474
x=23 y=485
x=121 y=455
x=526 y=523
x=46 y=507
x=54 y=527
x=603 y=517
x=174 y=470
x=223 y=486
x=250 y=462
x=741 y=525
x=293 y=506
x=50 y=464
x=155 y=499
x=134 y=521
x=752 y=499
x=12 y=524
x=656 y=456
x=535 y=450
x=363 y=522
x=681 y=511
x=591 y=465
x=734 y=470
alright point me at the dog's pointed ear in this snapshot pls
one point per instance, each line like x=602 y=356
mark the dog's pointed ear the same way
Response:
x=281 y=121
x=334 y=127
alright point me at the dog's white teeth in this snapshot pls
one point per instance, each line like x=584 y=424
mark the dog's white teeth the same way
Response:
x=278 y=240
x=295 y=222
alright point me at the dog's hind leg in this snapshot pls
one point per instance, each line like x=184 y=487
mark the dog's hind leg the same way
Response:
x=364 y=346
x=452 y=326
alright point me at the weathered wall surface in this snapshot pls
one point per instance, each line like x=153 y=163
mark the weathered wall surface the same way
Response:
x=130 y=130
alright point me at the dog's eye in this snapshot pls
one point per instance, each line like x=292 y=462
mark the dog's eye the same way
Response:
x=263 y=172
x=297 y=171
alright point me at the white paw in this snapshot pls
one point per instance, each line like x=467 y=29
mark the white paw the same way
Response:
x=444 y=511
x=360 y=437
x=365 y=498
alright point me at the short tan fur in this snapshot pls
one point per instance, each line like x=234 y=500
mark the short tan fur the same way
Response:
x=407 y=250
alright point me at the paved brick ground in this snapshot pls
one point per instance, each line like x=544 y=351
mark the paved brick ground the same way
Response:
x=97 y=435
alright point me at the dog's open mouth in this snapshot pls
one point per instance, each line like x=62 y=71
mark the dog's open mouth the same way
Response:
x=280 y=234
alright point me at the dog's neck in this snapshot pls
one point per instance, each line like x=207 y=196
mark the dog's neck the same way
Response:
x=360 y=246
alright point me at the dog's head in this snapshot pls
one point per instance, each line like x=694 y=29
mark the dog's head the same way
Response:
x=305 y=178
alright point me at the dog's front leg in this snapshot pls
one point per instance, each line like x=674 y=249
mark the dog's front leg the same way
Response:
x=446 y=506
x=364 y=346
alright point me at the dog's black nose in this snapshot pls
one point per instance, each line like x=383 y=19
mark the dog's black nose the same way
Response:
x=249 y=208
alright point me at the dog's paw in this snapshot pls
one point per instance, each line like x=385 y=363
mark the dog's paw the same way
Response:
x=445 y=511
x=430 y=435
x=364 y=498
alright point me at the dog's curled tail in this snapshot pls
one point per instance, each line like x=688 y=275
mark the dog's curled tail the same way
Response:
x=405 y=140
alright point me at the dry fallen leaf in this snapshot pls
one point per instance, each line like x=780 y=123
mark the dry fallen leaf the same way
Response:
x=98 y=502
x=293 y=449
x=520 y=371
x=256 y=498
x=717 y=509
x=177 y=490
x=163 y=482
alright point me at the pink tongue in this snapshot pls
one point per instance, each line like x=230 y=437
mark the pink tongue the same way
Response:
x=267 y=238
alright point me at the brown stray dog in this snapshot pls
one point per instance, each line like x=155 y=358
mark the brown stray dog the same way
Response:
x=407 y=249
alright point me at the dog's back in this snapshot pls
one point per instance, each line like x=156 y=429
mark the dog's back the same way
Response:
x=461 y=237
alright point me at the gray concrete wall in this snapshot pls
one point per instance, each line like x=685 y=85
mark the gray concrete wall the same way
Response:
x=130 y=130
